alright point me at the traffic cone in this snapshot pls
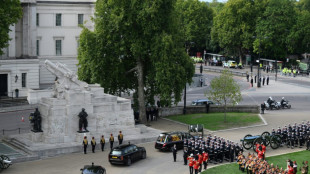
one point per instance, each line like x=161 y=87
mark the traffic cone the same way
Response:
x=23 y=119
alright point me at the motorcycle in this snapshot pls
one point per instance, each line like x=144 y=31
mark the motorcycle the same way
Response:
x=285 y=105
x=274 y=105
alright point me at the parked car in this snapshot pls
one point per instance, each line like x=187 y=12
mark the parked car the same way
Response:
x=126 y=154
x=201 y=102
x=166 y=140
x=93 y=169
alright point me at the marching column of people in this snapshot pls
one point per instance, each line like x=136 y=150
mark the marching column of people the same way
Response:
x=297 y=135
x=102 y=142
x=198 y=152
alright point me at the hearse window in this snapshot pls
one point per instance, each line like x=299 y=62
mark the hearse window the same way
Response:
x=116 y=152
x=175 y=137
x=130 y=149
x=161 y=138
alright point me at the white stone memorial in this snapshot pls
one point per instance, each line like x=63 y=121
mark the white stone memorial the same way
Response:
x=60 y=122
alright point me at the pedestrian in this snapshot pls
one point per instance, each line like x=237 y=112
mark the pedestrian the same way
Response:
x=102 y=142
x=247 y=76
x=174 y=152
x=158 y=103
x=262 y=106
x=207 y=107
x=111 y=141
x=185 y=155
x=120 y=138
x=147 y=114
x=201 y=68
x=267 y=81
x=85 y=144
x=93 y=144
x=252 y=82
x=201 y=82
x=263 y=80
x=255 y=79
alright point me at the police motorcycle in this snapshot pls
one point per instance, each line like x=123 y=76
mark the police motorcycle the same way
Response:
x=284 y=104
x=5 y=162
x=273 y=105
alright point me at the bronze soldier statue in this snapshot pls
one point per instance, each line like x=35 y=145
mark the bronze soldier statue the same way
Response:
x=83 y=121
x=36 y=119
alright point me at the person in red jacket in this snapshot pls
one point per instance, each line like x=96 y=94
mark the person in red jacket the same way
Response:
x=196 y=167
x=260 y=154
x=200 y=159
x=257 y=147
x=191 y=161
x=290 y=169
x=263 y=149
x=205 y=159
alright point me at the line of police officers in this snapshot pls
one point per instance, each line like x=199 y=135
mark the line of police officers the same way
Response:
x=217 y=148
x=296 y=135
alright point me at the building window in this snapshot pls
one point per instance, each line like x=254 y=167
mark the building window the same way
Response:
x=38 y=19
x=24 y=77
x=58 y=19
x=80 y=19
x=38 y=47
x=58 y=47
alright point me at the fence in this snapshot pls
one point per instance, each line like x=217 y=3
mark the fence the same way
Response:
x=237 y=73
x=14 y=131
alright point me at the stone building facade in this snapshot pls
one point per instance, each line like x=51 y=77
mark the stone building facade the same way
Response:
x=49 y=29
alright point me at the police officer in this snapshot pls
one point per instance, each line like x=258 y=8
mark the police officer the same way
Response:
x=85 y=144
x=111 y=140
x=93 y=144
x=102 y=142
x=174 y=152
x=120 y=137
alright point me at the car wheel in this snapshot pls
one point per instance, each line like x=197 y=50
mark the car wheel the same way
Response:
x=128 y=162
x=143 y=155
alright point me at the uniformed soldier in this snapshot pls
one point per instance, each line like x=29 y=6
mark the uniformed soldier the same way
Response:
x=93 y=144
x=174 y=152
x=111 y=140
x=85 y=144
x=196 y=166
x=120 y=138
x=232 y=152
x=205 y=159
x=308 y=140
x=102 y=142
x=191 y=160
x=185 y=155
x=200 y=161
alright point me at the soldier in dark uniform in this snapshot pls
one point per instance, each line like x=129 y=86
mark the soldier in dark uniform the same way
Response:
x=102 y=142
x=93 y=144
x=232 y=153
x=308 y=140
x=267 y=81
x=85 y=144
x=263 y=80
x=301 y=139
x=174 y=152
x=120 y=137
x=83 y=120
x=262 y=106
x=185 y=155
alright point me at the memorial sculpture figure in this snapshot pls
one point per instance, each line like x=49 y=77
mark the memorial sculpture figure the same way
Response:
x=83 y=121
x=36 y=119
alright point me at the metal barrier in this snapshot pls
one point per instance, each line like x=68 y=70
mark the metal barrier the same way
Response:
x=11 y=130
x=243 y=74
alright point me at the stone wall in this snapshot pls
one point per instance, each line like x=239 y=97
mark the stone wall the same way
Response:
x=178 y=110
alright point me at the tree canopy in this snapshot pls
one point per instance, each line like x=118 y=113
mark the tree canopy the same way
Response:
x=136 y=45
x=224 y=90
x=10 y=12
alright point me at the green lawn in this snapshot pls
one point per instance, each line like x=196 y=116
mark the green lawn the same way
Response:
x=280 y=160
x=215 y=121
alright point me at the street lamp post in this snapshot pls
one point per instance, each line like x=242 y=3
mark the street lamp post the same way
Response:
x=258 y=75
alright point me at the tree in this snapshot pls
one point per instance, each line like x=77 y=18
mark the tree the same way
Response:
x=224 y=90
x=136 y=45
x=196 y=18
x=298 y=40
x=273 y=27
x=10 y=12
x=234 y=26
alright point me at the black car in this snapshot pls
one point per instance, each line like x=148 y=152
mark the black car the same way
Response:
x=166 y=140
x=126 y=154
x=92 y=169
